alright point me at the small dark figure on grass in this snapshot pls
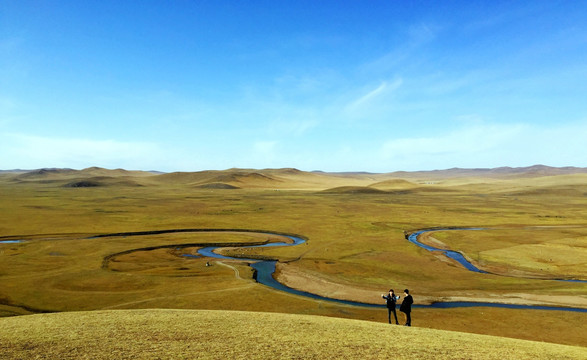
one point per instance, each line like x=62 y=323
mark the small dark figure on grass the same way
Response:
x=406 y=307
x=391 y=300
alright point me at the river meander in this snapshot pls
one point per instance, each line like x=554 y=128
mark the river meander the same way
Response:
x=457 y=256
x=265 y=270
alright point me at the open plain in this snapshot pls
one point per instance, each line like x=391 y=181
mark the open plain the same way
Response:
x=56 y=255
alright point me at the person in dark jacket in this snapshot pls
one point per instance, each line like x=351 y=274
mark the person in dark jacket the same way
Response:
x=391 y=300
x=406 y=307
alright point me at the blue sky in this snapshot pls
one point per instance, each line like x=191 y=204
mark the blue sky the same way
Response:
x=372 y=86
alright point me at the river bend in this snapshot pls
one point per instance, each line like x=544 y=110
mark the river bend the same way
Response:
x=265 y=270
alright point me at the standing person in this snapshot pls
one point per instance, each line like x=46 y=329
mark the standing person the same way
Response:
x=391 y=300
x=406 y=307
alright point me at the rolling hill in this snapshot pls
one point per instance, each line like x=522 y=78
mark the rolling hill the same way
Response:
x=212 y=334
x=293 y=179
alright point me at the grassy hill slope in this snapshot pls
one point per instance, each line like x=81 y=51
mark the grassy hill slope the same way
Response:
x=179 y=334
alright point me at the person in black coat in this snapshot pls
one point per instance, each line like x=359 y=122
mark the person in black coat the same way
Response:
x=391 y=300
x=406 y=307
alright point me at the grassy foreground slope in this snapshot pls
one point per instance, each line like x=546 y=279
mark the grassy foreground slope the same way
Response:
x=179 y=334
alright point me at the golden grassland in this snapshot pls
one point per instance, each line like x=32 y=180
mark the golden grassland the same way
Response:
x=541 y=252
x=189 y=334
x=356 y=248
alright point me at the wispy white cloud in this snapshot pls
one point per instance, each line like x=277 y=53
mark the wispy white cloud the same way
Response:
x=470 y=139
x=403 y=53
x=365 y=98
x=299 y=125
x=262 y=154
x=264 y=147
x=490 y=145
x=422 y=33
x=369 y=99
x=30 y=151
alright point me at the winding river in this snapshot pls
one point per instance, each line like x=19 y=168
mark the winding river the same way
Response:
x=266 y=268
x=413 y=238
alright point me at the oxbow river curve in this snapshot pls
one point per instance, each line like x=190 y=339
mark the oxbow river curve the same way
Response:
x=265 y=269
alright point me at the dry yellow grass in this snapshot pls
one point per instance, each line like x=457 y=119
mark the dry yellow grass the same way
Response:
x=191 y=334
x=356 y=247
x=552 y=252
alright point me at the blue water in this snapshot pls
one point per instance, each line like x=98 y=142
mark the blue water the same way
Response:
x=413 y=238
x=266 y=269
x=451 y=254
x=209 y=251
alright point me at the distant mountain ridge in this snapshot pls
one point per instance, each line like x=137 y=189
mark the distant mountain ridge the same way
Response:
x=287 y=178
x=538 y=170
x=534 y=169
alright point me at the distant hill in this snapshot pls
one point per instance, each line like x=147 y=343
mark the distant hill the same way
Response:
x=53 y=173
x=217 y=186
x=215 y=334
x=46 y=173
x=354 y=190
x=394 y=184
x=14 y=171
x=535 y=170
x=294 y=179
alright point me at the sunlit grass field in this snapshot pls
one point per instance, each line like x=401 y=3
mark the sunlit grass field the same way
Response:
x=356 y=247
x=190 y=334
